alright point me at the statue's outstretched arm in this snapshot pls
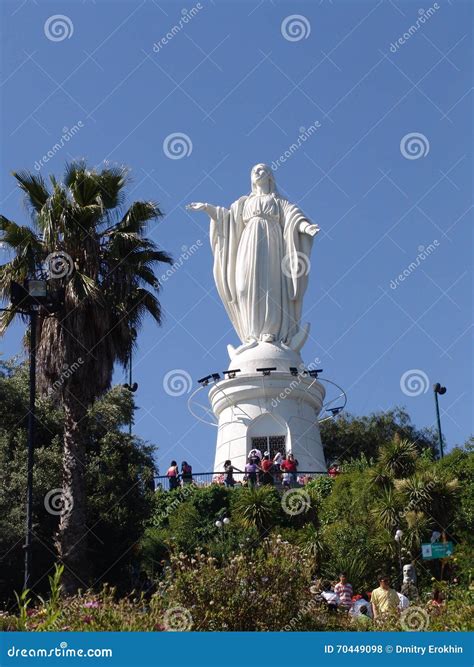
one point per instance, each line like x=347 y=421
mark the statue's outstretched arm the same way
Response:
x=307 y=228
x=207 y=208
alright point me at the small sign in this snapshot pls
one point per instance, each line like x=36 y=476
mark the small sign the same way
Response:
x=437 y=550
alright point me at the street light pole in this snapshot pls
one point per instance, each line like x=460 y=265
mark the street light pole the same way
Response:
x=31 y=436
x=26 y=299
x=438 y=389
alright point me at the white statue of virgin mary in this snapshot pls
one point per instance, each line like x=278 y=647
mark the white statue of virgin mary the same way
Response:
x=261 y=247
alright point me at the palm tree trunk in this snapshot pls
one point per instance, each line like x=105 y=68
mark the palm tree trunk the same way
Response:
x=72 y=539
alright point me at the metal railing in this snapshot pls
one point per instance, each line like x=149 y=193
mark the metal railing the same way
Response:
x=203 y=479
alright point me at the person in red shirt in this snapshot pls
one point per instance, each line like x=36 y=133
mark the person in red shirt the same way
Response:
x=289 y=467
x=267 y=469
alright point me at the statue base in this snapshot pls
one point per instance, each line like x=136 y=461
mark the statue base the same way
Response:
x=275 y=411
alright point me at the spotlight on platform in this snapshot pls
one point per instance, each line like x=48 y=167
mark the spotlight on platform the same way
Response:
x=335 y=411
x=266 y=371
x=231 y=374
x=293 y=370
x=205 y=381
x=313 y=374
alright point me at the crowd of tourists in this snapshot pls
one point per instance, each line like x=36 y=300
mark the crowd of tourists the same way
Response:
x=366 y=607
x=262 y=469
x=259 y=469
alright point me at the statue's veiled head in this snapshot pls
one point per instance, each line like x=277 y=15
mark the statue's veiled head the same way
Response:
x=262 y=175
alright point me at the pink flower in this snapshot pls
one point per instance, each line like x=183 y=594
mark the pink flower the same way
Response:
x=92 y=604
x=86 y=619
x=159 y=628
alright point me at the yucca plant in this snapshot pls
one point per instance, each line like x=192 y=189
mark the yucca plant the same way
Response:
x=398 y=457
x=83 y=241
x=258 y=507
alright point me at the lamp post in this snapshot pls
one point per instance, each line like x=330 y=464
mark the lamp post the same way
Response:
x=438 y=389
x=398 y=538
x=220 y=525
x=26 y=299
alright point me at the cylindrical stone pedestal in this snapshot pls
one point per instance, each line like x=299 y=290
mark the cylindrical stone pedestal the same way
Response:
x=280 y=409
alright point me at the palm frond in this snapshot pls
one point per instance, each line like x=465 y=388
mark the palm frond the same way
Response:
x=137 y=216
x=34 y=187
x=112 y=181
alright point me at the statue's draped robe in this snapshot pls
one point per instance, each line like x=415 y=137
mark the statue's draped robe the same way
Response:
x=261 y=265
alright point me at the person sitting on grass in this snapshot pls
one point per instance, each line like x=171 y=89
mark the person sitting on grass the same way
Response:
x=357 y=604
x=384 y=599
x=362 y=618
x=436 y=604
x=332 y=599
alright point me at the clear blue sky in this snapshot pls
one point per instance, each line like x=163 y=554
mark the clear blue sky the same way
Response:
x=241 y=92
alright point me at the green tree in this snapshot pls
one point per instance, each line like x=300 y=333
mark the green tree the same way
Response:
x=119 y=473
x=107 y=271
x=349 y=436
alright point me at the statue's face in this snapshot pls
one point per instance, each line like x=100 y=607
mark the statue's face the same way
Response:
x=408 y=573
x=260 y=174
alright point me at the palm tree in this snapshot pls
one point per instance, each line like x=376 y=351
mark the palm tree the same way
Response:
x=86 y=245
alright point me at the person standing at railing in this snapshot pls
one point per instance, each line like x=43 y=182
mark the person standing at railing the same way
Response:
x=289 y=467
x=267 y=470
x=229 y=473
x=251 y=470
x=186 y=473
x=255 y=454
x=173 y=475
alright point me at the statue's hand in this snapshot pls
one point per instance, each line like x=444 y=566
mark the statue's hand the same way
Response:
x=312 y=230
x=196 y=206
